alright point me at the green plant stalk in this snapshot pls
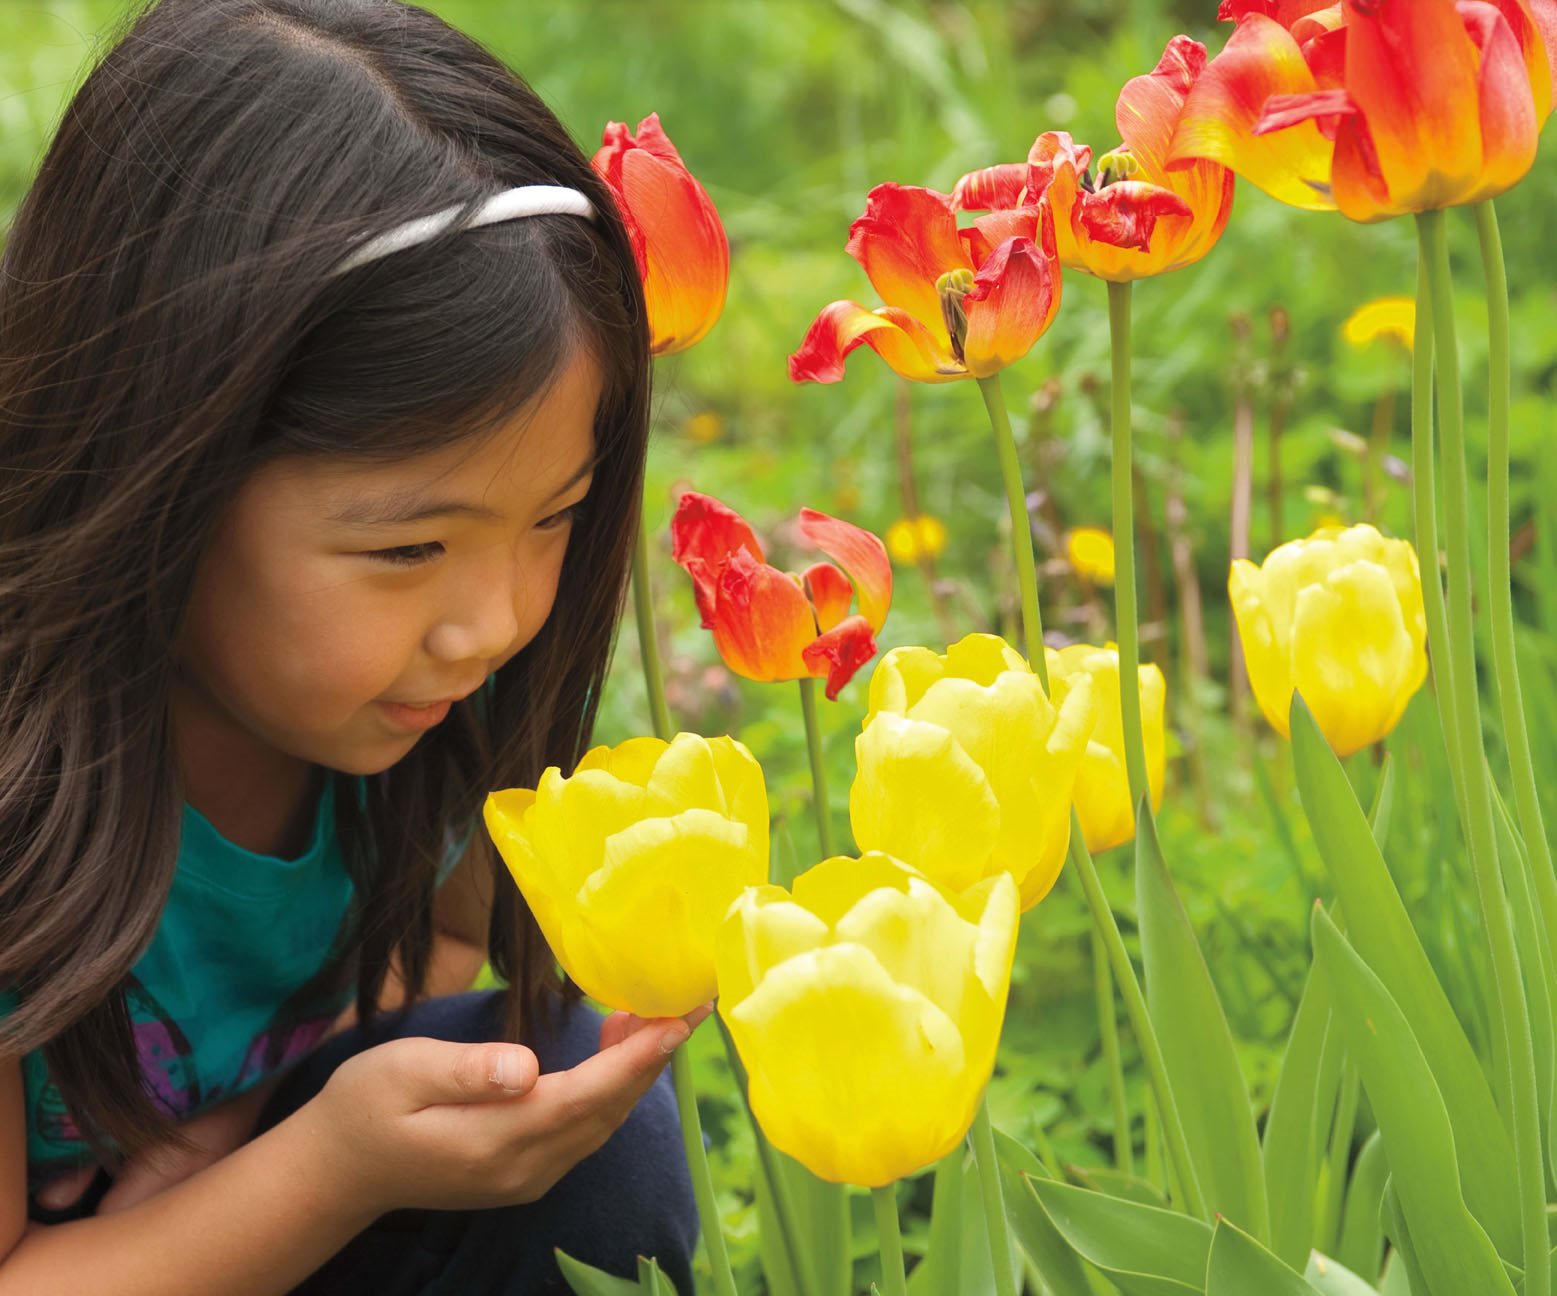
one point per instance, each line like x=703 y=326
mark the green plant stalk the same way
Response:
x=702 y=1178
x=1126 y=615
x=1021 y=525
x=824 y=831
x=648 y=639
x=1508 y=1009
x=1424 y=503
x=798 y=1274
x=994 y=1202
x=1140 y=1020
x=894 y=1281
x=1516 y=733
x=1340 y=1157
x=1103 y=989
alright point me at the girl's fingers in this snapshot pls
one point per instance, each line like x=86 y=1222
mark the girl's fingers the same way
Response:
x=65 y=1190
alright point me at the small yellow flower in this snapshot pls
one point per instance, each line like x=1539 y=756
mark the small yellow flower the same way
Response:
x=705 y=427
x=630 y=864
x=1337 y=617
x=1091 y=554
x=1102 y=783
x=965 y=767
x=1385 y=319
x=866 y=1007
x=910 y=540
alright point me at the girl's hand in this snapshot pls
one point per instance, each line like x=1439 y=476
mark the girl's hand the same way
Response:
x=214 y=1133
x=431 y=1124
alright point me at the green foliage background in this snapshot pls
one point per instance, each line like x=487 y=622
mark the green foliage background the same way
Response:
x=789 y=111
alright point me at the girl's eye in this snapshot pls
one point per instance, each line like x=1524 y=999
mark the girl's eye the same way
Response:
x=407 y=555
x=562 y=517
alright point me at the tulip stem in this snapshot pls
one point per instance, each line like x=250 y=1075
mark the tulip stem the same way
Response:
x=702 y=1178
x=1516 y=734
x=1508 y=1009
x=994 y=1200
x=894 y=1281
x=1140 y=1021
x=1021 y=525
x=1126 y=617
x=648 y=638
x=824 y=831
x=1108 y=1023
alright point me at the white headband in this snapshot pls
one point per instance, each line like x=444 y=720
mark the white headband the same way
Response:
x=511 y=204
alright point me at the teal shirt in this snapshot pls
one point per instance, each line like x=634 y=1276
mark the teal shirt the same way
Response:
x=241 y=933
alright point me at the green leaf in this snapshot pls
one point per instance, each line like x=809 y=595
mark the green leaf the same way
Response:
x=1197 y=1047
x=1386 y=940
x=1300 y=1108
x=1240 y=1266
x=823 y=1223
x=1404 y=1259
x=1143 y=1250
x=1331 y=1278
x=958 y=1259
x=1383 y=802
x=651 y=1280
x=1454 y=1250
x=1035 y=1232
x=1362 y=1236
x=1116 y=1183
x=586 y=1280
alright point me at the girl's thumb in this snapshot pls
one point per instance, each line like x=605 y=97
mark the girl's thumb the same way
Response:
x=483 y=1071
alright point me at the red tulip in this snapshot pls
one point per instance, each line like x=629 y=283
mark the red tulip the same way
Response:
x=1376 y=107
x=1136 y=217
x=960 y=303
x=775 y=625
x=683 y=255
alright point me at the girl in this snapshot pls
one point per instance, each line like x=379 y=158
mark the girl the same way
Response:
x=315 y=524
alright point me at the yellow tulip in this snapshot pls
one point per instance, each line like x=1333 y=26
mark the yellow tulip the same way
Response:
x=911 y=539
x=1338 y=617
x=1385 y=319
x=630 y=864
x=1102 y=784
x=866 y=1007
x=965 y=767
x=1091 y=554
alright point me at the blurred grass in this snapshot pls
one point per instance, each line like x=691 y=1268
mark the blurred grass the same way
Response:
x=789 y=111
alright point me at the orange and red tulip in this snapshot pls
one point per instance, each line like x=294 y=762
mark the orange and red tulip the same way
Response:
x=774 y=625
x=683 y=254
x=959 y=303
x=1376 y=107
x=1137 y=218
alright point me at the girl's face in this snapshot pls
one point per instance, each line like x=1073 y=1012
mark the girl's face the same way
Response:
x=339 y=609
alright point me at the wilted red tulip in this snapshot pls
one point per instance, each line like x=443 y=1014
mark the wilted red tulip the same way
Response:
x=774 y=625
x=1135 y=218
x=959 y=303
x=1375 y=107
x=680 y=244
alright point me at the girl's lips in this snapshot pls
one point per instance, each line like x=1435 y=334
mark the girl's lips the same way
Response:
x=416 y=718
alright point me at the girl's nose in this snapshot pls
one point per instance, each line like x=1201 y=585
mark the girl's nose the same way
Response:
x=483 y=621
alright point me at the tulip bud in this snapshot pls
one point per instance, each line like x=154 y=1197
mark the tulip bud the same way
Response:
x=629 y=864
x=1103 y=803
x=965 y=767
x=1338 y=617
x=866 y=1008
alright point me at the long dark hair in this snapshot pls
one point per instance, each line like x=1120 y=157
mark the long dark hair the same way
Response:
x=168 y=322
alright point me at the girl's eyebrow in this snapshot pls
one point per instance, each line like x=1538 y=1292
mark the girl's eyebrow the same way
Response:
x=402 y=507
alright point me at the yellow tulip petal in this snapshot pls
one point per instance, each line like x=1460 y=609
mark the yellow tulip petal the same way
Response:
x=571 y=819
x=763 y=928
x=900 y=679
x=631 y=761
x=982 y=657
x=684 y=777
x=859 y=1078
x=917 y=795
x=654 y=905
x=745 y=791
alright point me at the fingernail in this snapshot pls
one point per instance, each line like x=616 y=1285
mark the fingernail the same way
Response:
x=508 y=1072
x=673 y=1039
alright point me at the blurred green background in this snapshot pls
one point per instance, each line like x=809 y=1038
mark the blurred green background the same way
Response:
x=789 y=111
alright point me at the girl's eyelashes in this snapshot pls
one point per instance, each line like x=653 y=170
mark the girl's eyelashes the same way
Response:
x=412 y=555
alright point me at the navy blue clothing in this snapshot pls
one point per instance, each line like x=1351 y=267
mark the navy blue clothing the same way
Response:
x=632 y=1197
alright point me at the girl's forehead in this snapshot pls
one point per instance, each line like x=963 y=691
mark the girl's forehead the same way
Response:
x=547 y=446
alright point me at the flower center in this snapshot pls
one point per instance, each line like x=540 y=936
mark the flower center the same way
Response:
x=952 y=287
